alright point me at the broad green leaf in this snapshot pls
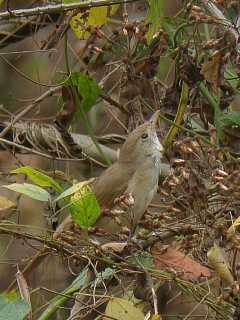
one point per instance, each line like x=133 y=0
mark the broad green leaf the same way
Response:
x=73 y=189
x=30 y=190
x=122 y=310
x=87 y=89
x=84 y=207
x=39 y=178
x=6 y=204
x=154 y=17
x=13 y=308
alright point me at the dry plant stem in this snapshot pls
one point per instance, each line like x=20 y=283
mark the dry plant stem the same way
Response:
x=58 y=8
x=113 y=102
x=213 y=9
x=44 y=155
x=53 y=50
x=29 y=108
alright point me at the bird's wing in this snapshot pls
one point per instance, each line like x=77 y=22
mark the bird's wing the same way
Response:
x=111 y=184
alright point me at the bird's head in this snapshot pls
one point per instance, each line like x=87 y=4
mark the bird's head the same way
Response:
x=142 y=145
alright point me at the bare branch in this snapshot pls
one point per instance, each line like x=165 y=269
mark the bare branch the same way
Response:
x=57 y=8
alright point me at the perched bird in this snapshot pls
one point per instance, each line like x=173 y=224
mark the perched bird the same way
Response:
x=135 y=174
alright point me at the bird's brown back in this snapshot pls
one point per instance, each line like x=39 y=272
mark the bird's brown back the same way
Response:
x=112 y=183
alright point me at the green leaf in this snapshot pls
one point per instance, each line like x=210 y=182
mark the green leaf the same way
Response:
x=87 y=89
x=84 y=207
x=230 y=118
x=144 y=258
x=39 y=178
x=12 y=308
x=79 y=282
x=154 y=17
x=223 y=119
x=30 y=190
x=106 y=274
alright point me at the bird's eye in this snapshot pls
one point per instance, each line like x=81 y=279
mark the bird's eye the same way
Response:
x=144 y=136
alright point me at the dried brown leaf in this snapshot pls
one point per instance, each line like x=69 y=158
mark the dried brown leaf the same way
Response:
x=173 y=259
x=114 y=246
x=212 y=69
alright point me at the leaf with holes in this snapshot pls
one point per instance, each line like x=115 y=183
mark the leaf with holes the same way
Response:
x=73 y=189
x=96 y=16
x=84 y=207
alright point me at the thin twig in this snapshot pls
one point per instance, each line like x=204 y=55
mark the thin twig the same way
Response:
x=113 y=102
x=25 y=76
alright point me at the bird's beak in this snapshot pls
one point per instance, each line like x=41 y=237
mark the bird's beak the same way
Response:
x=154 y=119
x=153 y=123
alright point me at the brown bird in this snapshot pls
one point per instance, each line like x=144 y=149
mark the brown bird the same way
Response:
x=135 y=173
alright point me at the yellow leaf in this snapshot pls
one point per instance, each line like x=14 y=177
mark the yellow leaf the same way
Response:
x=113 y=9
x=94 y=17
x=219 y=264
x=122 y=310
x=234 y=228
x=98 y=16
x=6 y=204
x=155 y=317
